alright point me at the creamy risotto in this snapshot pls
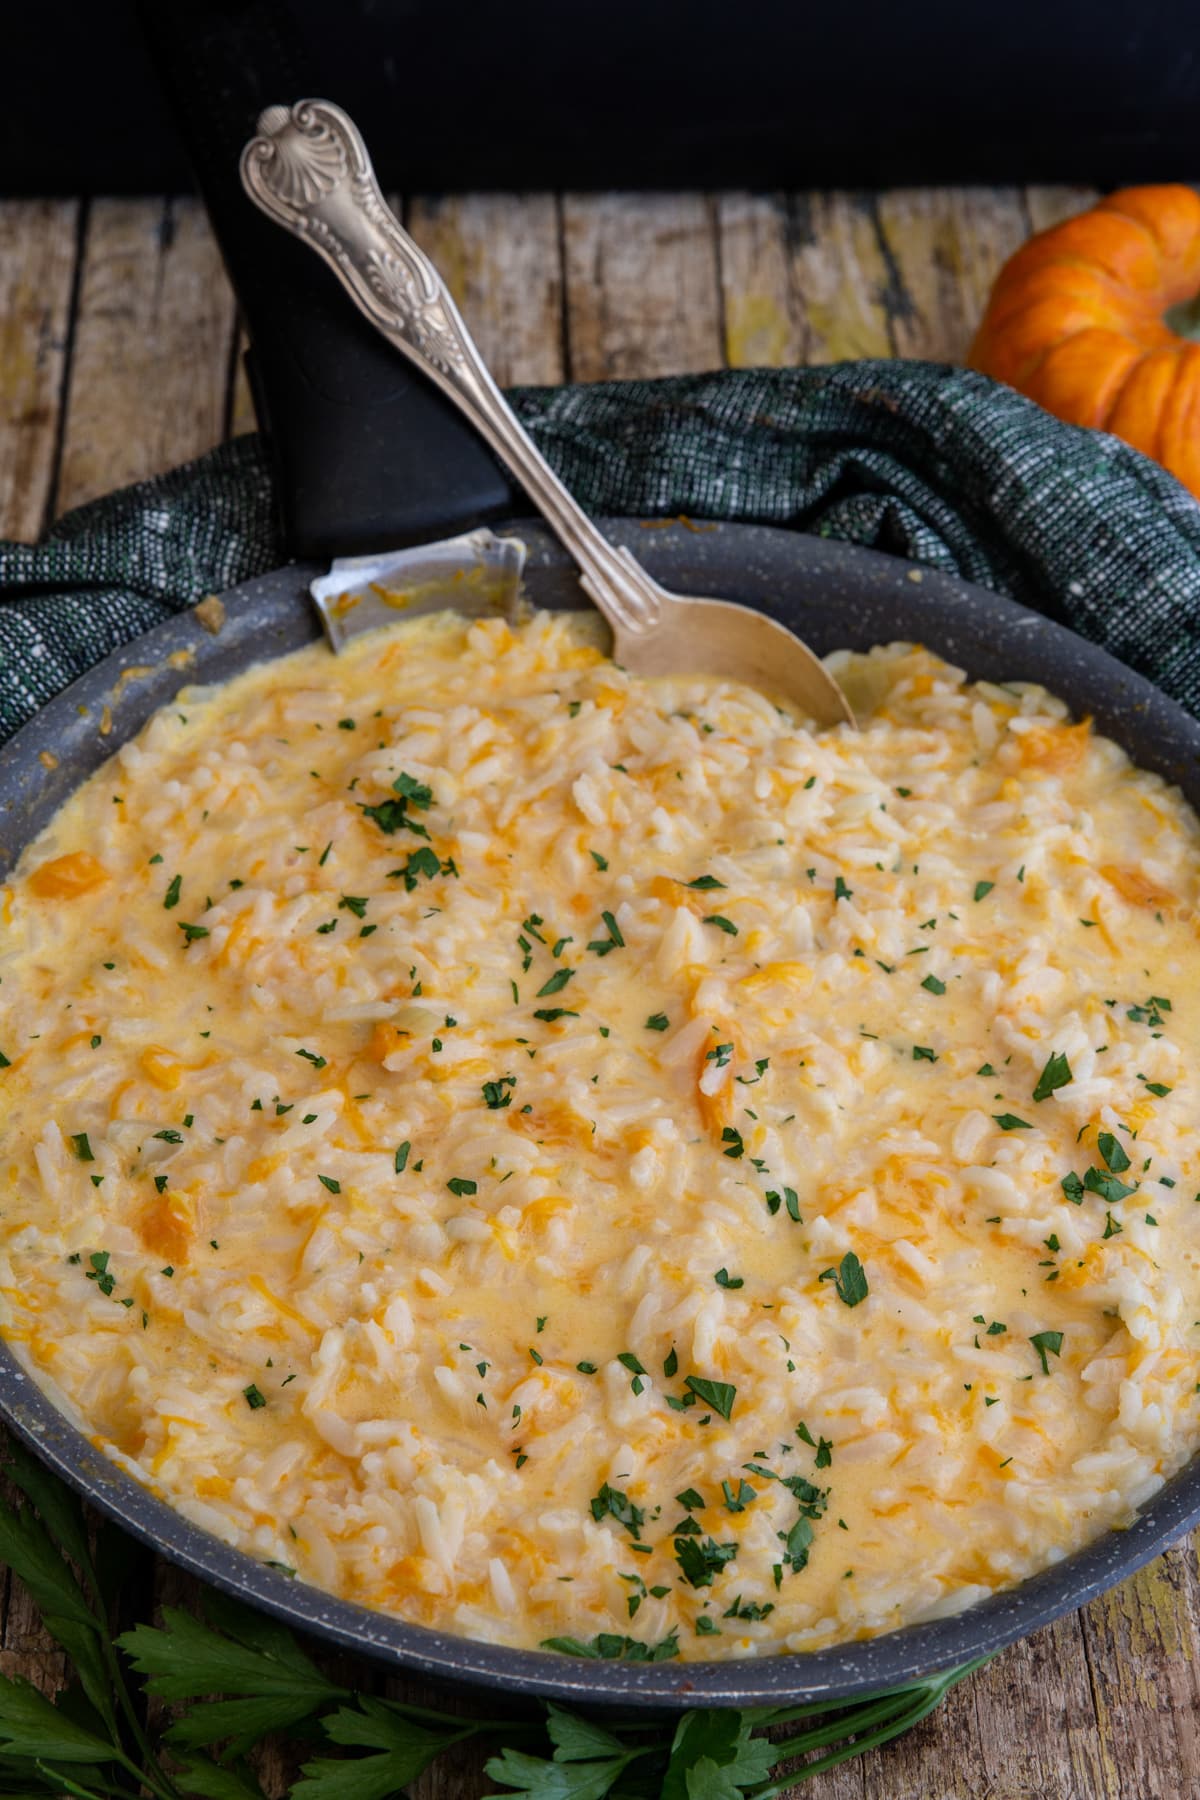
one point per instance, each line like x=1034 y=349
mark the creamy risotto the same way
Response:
x=570 y=1158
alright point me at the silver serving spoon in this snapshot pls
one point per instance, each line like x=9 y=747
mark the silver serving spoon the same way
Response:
x=308 y=169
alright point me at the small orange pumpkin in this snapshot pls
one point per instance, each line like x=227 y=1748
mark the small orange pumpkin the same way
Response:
x=1085 y=319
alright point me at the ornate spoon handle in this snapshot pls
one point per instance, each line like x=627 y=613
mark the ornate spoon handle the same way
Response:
x=308 y=169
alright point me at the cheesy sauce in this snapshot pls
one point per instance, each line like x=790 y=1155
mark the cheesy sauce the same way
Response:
x=587 y=1161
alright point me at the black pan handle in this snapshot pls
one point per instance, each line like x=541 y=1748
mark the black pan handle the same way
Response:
x=367 y=454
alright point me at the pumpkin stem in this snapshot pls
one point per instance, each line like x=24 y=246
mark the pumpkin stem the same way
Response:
x=1184 y=318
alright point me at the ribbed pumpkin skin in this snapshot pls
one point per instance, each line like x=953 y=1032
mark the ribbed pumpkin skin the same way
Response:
x=1075 y=320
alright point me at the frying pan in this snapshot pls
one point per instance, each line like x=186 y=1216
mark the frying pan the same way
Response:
x=831 y=594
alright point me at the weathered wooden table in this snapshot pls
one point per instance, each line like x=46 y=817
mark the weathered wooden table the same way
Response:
x=120 y=356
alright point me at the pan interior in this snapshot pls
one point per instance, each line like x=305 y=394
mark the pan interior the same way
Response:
x=834 y=596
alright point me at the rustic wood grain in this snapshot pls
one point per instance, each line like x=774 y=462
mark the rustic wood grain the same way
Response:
x=765 y=326
x=943 y=248
x=1143 y=1640
x=841 y=276
x=501 y=257
x=150 y=361
x=240 y=415
x=1046 y=206
x=38 y=252
x=642 y=284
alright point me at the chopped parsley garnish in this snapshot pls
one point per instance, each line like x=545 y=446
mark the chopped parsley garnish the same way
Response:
x=327 y=1181
x=1010 y=1122
x=460 y=1186
x=739 y=1498
x=753 y=1609
x=720 y=1395
x=80 y=1144
x=1047 y=1343
x=1157 y=1088
x=1072 y=1187
x=607 y=1646
x=171 y=897
x=923 y=1053
x=253 y=1398
x=849 y=1280
x=614 y=940
x=611 y=1503
x=705 y=883
x=724 y=1279
x=192 y=932
x=99 y=1272
x=700 y=1561
x=1056 y=1074
x=657 y=1022
x=494 y=1093
x=556 y=983
x=601 y=862
x=1113 y=1152
x=1109 y=1187
x=354 y=903
x=318 y=1062
x=841 y=891
x=691 y=1501
x=933 y=985
x=983 y=889
x=551 y=1013
x=725 y=925
x=733 y=1138
x=401 y=1160
x=420 y=862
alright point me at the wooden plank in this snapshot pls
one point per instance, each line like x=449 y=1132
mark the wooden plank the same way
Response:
x=840 y=276
x=1022 y=1725
x=1144 y=1643
x=643 y=291
x=764 y=322
x=501 y=257
x=943 y=248
x=240 y=415
x=1046 y=206
x=150 y=363
x=38 y=248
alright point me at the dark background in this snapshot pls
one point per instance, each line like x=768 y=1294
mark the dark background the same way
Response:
x=645 y=93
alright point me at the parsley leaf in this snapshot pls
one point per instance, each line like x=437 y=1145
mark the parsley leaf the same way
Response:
x=849 y=1280
x=1113 y=1152
x=720 y=1395
x=1047 y=1342
x=556 y=983
x=1056 y=1074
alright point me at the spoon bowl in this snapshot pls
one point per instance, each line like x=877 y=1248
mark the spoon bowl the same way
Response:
x=308 y=169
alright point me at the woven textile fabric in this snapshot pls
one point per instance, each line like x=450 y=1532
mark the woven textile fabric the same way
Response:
x=935 y=464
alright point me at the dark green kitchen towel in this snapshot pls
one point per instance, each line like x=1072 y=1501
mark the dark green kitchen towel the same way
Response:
x=933 y=463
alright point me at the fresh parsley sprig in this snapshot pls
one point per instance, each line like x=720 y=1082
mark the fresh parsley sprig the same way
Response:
x=235 y=1677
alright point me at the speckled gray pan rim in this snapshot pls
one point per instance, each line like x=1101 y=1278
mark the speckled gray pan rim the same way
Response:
x=832 y=594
